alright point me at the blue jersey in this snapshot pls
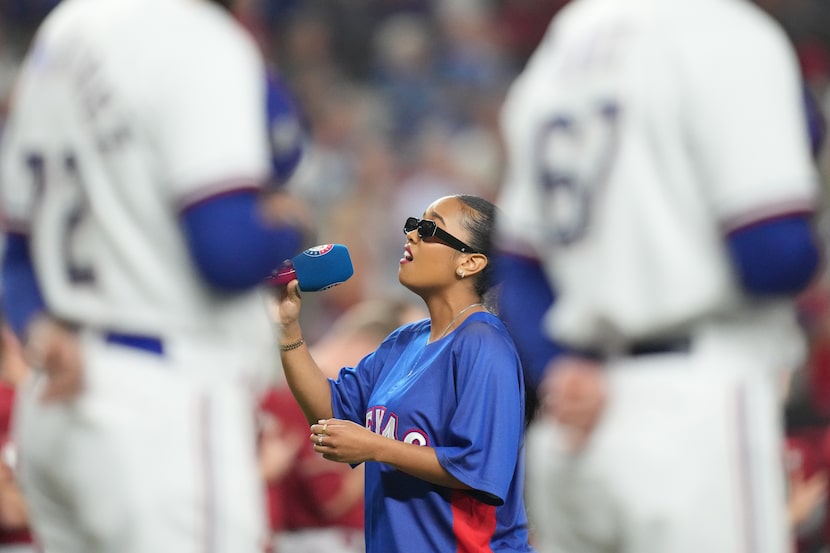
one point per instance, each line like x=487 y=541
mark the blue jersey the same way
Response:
x=464 y=396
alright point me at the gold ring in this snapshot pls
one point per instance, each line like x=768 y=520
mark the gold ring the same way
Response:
x=324 y=428
x=319 y=439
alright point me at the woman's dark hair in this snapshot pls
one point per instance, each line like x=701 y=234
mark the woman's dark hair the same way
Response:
x=480 y=221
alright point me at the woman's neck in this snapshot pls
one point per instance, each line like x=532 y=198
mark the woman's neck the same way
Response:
x=447 y=317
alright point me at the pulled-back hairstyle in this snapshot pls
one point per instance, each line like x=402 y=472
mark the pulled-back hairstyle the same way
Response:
x=479 y=218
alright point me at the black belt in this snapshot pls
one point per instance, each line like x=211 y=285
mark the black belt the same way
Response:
x=673 y=345
x=681 y=344
x=150 y=344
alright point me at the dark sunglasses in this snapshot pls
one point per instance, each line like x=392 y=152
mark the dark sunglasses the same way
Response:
x=430 y=232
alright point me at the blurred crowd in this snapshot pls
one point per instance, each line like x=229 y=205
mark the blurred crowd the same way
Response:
x=400 y=100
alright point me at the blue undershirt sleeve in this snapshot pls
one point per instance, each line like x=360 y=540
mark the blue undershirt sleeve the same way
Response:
x=775 y=257
x=22 y=297
x=524 y=299
x=232 y=245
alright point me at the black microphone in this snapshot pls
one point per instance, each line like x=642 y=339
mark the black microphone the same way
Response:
x=317 y=268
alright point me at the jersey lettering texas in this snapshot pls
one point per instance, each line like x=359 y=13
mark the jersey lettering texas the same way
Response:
x=383 y=422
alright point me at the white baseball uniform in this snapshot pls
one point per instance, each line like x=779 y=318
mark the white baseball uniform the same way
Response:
x=640 y=133
x=127 y=113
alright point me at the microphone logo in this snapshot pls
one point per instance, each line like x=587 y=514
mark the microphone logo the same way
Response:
x=316 y=251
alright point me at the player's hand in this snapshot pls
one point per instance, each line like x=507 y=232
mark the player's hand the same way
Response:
x=278 y=448
x=806 y=495
x=53 y=348
x=573 y=393
x=281 y=208
x=343 y=441
x=13 y=510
